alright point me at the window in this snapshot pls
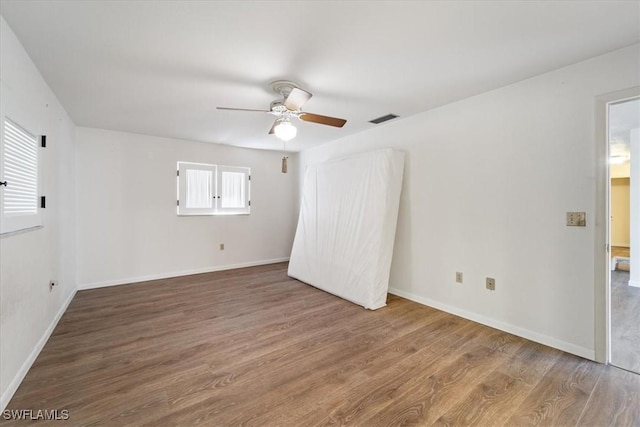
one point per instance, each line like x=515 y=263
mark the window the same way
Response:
x=213 y=190
x=196 y=189
x=233 y=191
x=19 y=174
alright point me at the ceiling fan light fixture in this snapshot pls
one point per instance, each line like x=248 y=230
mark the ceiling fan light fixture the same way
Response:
x=285 y=130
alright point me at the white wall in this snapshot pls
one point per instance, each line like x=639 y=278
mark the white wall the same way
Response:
x=28 y=311
x=488 y=181
x=634 y=279
x=128 y=229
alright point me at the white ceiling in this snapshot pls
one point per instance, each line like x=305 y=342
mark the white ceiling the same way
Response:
x=161 y=68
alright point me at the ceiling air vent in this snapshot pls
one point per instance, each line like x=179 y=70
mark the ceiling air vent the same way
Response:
x=383 y=119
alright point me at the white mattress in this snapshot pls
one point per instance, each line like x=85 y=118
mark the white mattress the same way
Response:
x=347 y=225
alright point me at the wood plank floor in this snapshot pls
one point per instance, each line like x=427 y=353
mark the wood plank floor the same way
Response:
x=253 y=347
x=625 y=322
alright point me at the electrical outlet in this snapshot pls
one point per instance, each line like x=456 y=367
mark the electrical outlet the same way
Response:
x=52 y=283
x=222 y=246
x=576 y=219
x=491 y=283
x=458 y=277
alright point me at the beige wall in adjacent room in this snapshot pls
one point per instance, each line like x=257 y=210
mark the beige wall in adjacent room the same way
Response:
x=620 y=212
x=621 y=171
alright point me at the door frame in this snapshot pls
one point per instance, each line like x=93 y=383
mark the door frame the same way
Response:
x=602 y=257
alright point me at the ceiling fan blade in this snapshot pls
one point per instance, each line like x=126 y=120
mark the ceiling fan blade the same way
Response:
x=242 y=109
x=272 y=131
x=323 y=120
x=296 y=99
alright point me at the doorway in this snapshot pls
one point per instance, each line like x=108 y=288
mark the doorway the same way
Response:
x=624 y=232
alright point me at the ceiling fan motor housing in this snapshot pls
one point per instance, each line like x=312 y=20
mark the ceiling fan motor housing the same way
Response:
x=278 y=106
x=283 y=87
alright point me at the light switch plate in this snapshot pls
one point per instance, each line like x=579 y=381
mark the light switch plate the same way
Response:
x=576 y=219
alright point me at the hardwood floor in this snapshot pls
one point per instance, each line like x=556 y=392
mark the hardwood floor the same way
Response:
x=625 y=322
x=254 y=347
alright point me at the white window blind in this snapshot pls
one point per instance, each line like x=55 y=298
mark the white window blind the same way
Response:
x=19 y=169
x=199 y=189
x=232 y=195
x=212 y=190
x=234 y=190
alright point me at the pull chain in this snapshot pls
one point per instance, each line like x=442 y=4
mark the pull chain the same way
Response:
x=284 y=157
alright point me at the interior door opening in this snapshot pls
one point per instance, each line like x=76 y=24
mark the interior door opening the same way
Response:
x=623 y=233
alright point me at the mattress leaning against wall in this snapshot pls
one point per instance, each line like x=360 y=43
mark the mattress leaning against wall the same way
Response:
x=347 y=225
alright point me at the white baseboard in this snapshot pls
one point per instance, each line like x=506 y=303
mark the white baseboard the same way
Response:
x=506 y=327
x=160 y=276
x=634 y=283
x=22 y=372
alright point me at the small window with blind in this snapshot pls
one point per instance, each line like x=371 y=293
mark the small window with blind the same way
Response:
x=233 y=190
x=19 y=207
x=205 y=189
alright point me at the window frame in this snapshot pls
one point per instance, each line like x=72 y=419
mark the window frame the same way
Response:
x=182 y=209
x=217 y=171
x=29 y=117
x=246 y=208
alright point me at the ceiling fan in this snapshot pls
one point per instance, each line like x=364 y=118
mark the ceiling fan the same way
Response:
x=293 y=98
